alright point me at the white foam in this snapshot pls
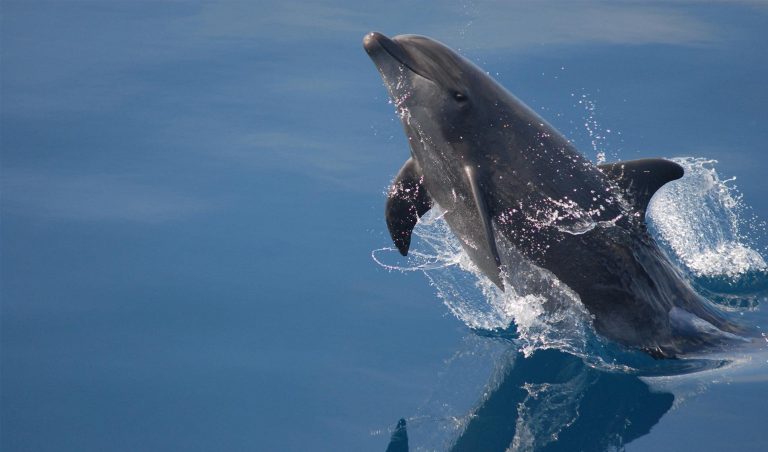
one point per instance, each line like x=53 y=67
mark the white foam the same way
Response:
x=705 y=223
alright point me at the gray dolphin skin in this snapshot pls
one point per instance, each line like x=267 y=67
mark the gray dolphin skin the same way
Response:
x=508 y=183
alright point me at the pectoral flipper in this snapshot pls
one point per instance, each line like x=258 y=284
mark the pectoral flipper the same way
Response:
x=407 y=201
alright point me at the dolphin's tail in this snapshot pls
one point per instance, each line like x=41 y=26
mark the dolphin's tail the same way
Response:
x=399 y=440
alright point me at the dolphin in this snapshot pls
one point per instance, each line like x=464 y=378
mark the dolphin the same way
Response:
x=508 y=183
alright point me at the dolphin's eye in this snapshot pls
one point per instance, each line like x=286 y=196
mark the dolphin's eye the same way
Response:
x=460 y=97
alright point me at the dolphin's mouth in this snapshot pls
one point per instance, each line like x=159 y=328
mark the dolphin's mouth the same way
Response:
x=376 y=43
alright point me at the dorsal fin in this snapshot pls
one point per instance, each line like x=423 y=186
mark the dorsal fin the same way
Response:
x=640 y=179
x=407 y=200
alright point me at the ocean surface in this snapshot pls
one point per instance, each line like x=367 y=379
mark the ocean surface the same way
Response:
x=193 y=254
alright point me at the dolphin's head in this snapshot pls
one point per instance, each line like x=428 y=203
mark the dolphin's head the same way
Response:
x=436 y=91
x=456 y=115
x=421 y=61
x=446 y=104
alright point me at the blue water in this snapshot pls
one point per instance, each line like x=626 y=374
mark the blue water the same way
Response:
x=192 y=194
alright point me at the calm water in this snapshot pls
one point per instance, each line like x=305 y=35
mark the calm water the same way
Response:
x=192 y=193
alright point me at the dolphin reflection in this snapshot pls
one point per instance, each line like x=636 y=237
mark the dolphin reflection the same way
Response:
x=550 y=401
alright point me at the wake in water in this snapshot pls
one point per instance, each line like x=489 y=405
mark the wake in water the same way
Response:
x=701 y=221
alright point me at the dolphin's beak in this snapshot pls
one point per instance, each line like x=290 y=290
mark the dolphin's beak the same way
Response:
x=374 y=43
x=379 y=47
x=371 y=41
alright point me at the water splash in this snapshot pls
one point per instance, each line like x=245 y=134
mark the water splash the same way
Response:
x=597 y=135
x=548 y=409
x=706 y=227
x=536 y=309
x=468 y=11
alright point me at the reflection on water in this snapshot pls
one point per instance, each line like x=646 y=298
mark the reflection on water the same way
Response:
x=550 y=401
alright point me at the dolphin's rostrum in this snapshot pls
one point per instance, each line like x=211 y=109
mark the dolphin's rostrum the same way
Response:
x=506 y=178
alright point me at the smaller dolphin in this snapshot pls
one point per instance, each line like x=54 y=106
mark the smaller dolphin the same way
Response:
x=510 y=183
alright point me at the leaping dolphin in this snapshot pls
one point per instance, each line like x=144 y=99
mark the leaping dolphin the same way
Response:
x=507 y=179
